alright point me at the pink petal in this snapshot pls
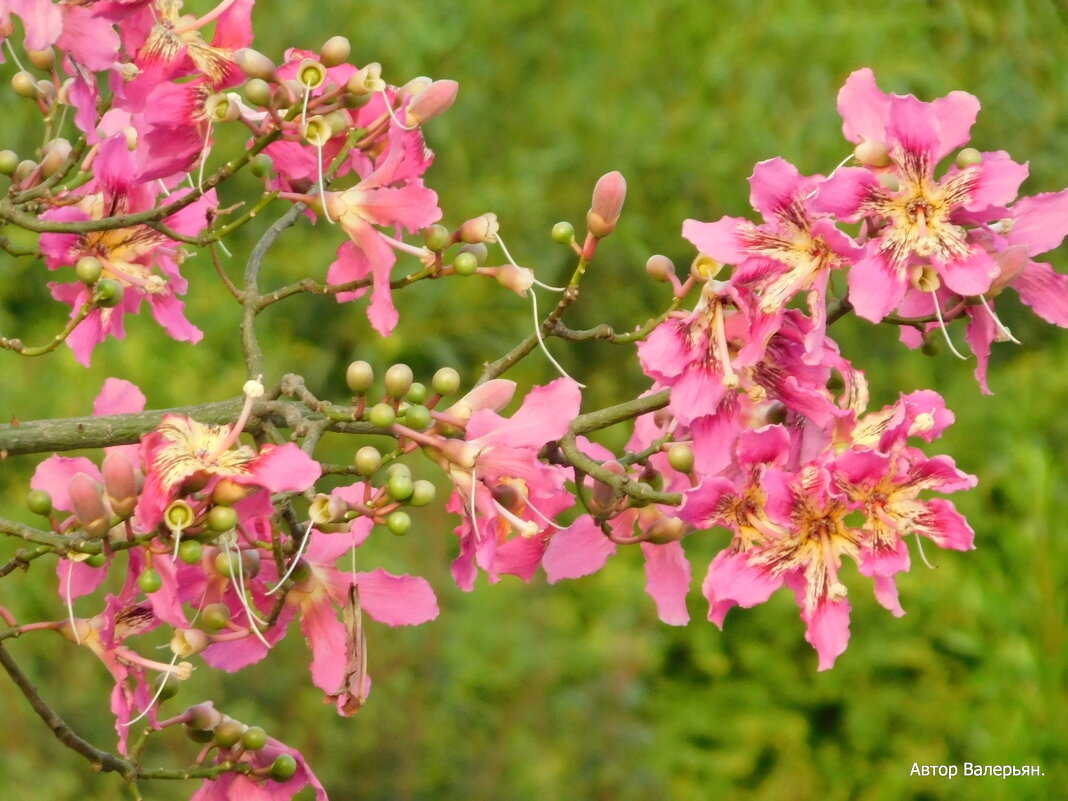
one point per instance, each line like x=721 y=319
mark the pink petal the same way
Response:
x=397 y=600
x=864 y=108
x=578 y=550
x=1039 y=222
x=667 y=580
x=718 y=239
x=284 y=468
x=875 y=287
x=118 y=397
x=731 y=582
x=325 y=635
x=1045 y=291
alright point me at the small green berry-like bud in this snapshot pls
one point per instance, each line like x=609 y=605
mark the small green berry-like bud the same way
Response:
x=23 y=170
x=88 y=269
x=97 y=560
x=872 y=153
x=226 y=563
x=360 y=377
x=54 y=156
x=367 y=460
x=9 y=160
x=660 y=268
x=665 y=530
x=24 y=84
x=42 y=59
x=222 y=518
x=334 y=51
x=436 y=237
x=446 y=381
x=400 y=487
x=229 y=732
x=381 y=415
x=398 y=469
x=261 y=165
x=423 y=492
x=416 y=393
x=150 y=581
x=108 y=293
x=284 y=767
x=680 y=457
x=258 y=92
x=417 y=416
x=254 y=738
x=476 y=249
x=398 y=380
x=204 y=716
x=198 y=735
x=932 y=345
x=215 y=616
x=398 y=523
x=166 y=686
x=968 y=157
x=254 y=64
x=228 y=492
x=563 y=232
x=39 y=502
x=190 y=551
x=465 y=263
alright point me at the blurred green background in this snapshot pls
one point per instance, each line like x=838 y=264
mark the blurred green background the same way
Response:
x=576 y=691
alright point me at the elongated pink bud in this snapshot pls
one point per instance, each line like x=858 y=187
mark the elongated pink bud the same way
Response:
x=120 y=483
x=608 y=196
x=431 y=101
x=88 y=505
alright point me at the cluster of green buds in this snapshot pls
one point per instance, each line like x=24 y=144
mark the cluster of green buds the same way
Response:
x=203 y=723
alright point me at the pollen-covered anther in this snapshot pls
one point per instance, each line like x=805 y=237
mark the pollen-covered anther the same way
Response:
x=837 y=592
x=155 y=285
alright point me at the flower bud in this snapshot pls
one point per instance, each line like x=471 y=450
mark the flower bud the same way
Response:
x=24 y=84
x=430 y=102
x=660 y=268
x=680 y=457
x=334 y=51
x=871 y=153
x=258 y=92
x=608 y=195
x=120 y=483
x=221 y=518
x=254 y=64
x=665 y=530
x=381 y=415
x=254 y=738
x=367 y=460
x=460 y=453
x=42 y=59
x=215 y=616
x=465 y=263
x=968 y=157
x=261 y=165
x=88 y=269
x=23 y=170
x=479 y=229
x=283 y=767
x=398 y=380
x=108 y=293
x=436 y=237
x=398 y=523
x=187 y=642
x=39 y=502
x=446 y=381
x=326 y=509
x=563 y=233
x=229 y=733
x=150 y=581
x=360 y=377
x=88 y=505
x=228 y=492
x=55 y=156
x=423 y=492
x=9 y=160
x=203 y=716
x=417 y=417
x=517 y=279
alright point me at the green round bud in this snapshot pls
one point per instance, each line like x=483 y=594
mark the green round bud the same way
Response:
x=97 y=560
x=258 y=92
x=465 y=263
x=150 y=581
x=261 y=165
x=190 y=551
x=417 y=393
x=24 y=84
x=398 y=380
x=367 y=460
x=166 y=686
x=23 y=170
x=398 y=523
x=564 y=233
x=968 y=157
x=932 y=345
x=398 y=469
x=254 y=738
x=381 y=415
x=360 y=377
x=446 y=381
x=215 y=616
x=478 y=250
x=88 y=269
x=335 y=51
x=39 y=502
x=284 y=767
x=198 y=735
x=417 y=417
x=222 y=518
x=423 y=492
x=229 y=733
x=9 y=160
x=226 y=563
x=437 y=237
x=108 y=293
x=400 y=487
x=254 y=64
x=680 y=457
x=872 y=153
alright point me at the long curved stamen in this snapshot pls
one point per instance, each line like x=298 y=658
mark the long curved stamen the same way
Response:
x=322 y=185
x=837 y=167
x=208 y=18
x=253 y=389
x=165 y=677
x=526 y=528
x=204 y=158
x=252 y=616
x=997 y=322
x=473 y=510
x=541 y=342
x=14 y=55
x=942 y=325
x=296 y=560
x=923 y=556
x=70 y=605
x=392 y=116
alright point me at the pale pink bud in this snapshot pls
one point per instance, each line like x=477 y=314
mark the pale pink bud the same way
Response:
x=494 y=394
x=517 y=279
x=431 y=101
x=604 y=495
x=88 y=505
x=254 y=64
x=120 y=483
x=608 y=196
x=326 y=509
x=479 y=229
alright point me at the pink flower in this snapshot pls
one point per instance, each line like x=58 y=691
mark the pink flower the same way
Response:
x=917 y=219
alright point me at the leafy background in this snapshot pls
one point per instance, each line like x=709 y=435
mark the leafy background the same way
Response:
x=575 y=691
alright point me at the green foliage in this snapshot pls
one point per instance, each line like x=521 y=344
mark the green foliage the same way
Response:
x=576 y=691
